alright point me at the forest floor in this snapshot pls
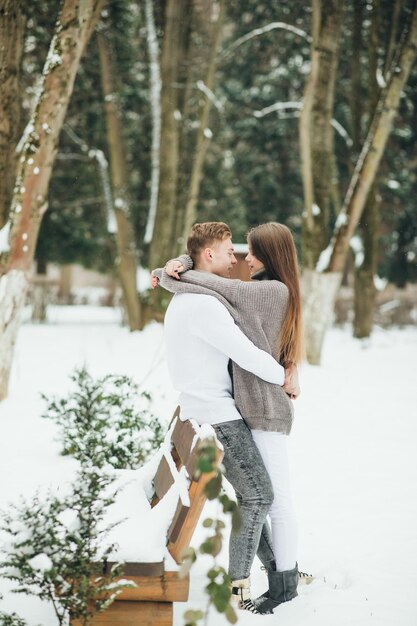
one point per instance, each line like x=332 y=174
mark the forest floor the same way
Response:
x=352 y=453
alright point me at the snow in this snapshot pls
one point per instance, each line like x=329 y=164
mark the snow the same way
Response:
x=278 y=106
x=140 y=535
x=41 y=562
x=265 y=29
x=380 y=78
x=241 y=248
x=352 y=453
x=324 y=259
x=380 y=283
x=210 y=95
x=356 y=244
x=4 y=237
x=155 y=92
x=342 y=220
x=342 y=132
x=29 y=129
x=143 y=279
x=53 y=60
x=119 y=203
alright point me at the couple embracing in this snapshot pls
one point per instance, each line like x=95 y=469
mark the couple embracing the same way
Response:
x=232 y=349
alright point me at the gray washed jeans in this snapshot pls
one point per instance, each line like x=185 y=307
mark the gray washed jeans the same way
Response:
x=247 y=474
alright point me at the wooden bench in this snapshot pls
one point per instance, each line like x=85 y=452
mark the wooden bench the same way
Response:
x=150 y=603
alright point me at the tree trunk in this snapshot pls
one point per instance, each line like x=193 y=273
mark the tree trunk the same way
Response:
x=40 y=291
x=319 y=295
x=127 y=256
x=65 y=284
x=365 y=269
x=13 y=289
x=316 y=131
x=30 y=198
x=12 y=30
x=362 y=179
x=162 y=245
x=203 y=133
x=193 y=55
x=372 y=151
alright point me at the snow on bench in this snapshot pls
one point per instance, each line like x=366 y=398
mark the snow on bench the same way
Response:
x=160 y=505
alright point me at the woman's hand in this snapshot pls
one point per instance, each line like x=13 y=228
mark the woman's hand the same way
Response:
x=291 y=385
x=174 y=268
x=154 y=281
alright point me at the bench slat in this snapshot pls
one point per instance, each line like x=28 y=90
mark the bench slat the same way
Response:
x=134 y=614
x=167 y=588
x=197 y=501
x=163 y=480
x=138 y=569
x=177 y=521
x=182 y=438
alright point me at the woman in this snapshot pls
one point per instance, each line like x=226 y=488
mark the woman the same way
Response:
x=268 y=310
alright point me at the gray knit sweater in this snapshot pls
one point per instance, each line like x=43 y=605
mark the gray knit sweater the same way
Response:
x=258 y=308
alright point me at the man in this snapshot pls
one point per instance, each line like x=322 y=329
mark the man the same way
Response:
x=201 y=337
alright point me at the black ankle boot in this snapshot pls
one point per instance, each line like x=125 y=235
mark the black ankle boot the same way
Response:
x=282 y=588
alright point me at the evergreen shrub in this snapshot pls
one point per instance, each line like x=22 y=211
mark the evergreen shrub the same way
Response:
x=55 y=547
x=106 y=422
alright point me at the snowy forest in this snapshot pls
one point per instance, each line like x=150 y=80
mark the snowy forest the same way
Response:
x=123 y=123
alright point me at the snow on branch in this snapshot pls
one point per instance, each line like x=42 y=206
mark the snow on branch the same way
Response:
x=4 y=238
x=342 y=132
x=356 y=245
x=283 y=106
x=210 y=95
x=278 y=106
x=75 y=138
x=265 y=29
x=380 y=78
x=103 y=167
x=155 y=92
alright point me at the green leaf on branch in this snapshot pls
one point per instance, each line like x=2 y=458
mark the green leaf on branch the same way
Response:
x=230 y=614
x=192 y=617
x=208 y=523
x=213 y=487
x=188 y=557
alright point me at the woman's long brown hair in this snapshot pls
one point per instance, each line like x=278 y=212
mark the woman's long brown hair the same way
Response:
x=274 y=246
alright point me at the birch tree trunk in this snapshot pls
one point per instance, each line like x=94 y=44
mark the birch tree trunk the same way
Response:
x=162 y=245
x=127 y=255
x=12 y=30
x=39 y=146
x=316 y=131
x=333 y=259
x=203 y=133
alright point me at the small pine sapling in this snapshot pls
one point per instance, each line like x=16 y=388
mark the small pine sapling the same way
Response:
x=106 y=422
x=55 y=549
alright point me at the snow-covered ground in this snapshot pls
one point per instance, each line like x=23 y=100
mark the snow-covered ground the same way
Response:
x=352 y=452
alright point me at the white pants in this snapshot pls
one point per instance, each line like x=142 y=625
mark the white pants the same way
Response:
x=273 y=449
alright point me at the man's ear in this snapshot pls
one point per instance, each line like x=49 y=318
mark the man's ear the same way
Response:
x=208 y=254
